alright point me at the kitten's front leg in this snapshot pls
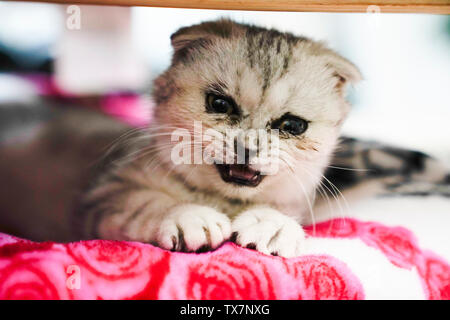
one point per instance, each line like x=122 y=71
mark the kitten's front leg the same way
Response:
x=182 y=227
x=268 y=231
x=124 y=208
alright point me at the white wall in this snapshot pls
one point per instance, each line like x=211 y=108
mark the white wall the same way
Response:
x=404 y=99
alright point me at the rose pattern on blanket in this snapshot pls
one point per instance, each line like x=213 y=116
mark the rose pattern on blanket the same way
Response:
x=131 y=270
x=236 y=273
x=399 y=245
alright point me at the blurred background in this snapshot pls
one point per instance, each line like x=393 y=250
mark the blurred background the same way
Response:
x=88 y=51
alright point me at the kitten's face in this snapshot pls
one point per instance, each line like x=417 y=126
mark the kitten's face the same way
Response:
x=234 y=77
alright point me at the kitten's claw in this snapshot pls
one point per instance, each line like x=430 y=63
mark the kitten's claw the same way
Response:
x=193 y=228
x=269 y=232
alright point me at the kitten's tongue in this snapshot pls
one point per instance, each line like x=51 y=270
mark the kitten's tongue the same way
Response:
x=242 y=172
x=239 y=174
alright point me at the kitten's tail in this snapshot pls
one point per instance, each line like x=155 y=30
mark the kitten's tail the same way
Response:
x=394 y=171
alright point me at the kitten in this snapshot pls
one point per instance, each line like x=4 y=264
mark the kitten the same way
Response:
x=229 y=76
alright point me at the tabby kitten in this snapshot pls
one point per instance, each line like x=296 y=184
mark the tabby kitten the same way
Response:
x=228 y=76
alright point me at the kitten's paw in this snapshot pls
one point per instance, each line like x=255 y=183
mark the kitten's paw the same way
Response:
x=192 y=228
x=268 y=231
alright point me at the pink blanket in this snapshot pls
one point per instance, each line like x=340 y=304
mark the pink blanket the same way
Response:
x=345 y=258
x=102 y=269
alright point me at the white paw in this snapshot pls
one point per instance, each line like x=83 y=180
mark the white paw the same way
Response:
x=190 y=227
x=269 y=231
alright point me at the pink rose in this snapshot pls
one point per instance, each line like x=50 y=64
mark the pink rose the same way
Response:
x=397 y=243
x=324 y=278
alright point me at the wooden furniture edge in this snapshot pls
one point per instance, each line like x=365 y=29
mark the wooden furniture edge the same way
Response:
x=384 y=6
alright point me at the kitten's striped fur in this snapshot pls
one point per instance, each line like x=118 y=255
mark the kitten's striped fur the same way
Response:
x=139 y=194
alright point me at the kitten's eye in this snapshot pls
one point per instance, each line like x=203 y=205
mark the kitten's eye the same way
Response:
x=293 y=125
x=220 y=104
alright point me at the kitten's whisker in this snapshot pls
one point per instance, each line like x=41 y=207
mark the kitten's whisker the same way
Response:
x=142 y=152
x=337 y=189
x=168 y=146
x=126 y=140
x=349 y=169
x=337 y=199
x=334 y=191
x=111 y=146
x=323 y=192
x=313 y=220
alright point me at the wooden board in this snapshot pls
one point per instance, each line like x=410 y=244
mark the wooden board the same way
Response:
x=415 y=6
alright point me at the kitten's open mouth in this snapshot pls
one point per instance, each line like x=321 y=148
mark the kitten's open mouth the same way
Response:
x=240 y=174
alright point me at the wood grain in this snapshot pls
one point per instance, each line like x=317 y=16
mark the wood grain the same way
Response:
x=413 y=6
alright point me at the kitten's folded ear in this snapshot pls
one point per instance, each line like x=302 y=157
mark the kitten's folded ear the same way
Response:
x=345 y=71
x=190 y=38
